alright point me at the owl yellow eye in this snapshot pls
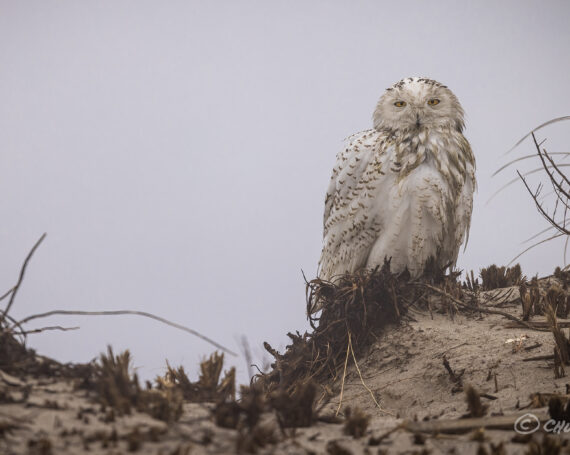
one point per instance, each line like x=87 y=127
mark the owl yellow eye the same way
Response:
x=400 y=103
x=433 y=101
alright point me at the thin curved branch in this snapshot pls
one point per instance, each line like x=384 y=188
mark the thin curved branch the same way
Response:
x=550 y=122
x=516 y=179
x=21 y=277
x=549 y=228
x=526 y=157
x=533 y=246
x=124 y=312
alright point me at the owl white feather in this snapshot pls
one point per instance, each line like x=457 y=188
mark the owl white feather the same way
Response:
x=403 y=190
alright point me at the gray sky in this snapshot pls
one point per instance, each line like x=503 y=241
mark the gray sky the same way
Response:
x=177 y=153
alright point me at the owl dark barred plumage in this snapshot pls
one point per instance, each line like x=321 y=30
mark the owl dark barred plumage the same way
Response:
x=404 y=189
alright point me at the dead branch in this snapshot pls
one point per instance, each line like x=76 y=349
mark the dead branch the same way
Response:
x=8 y=292
x=539 y=206
x=505 y=422
x=125 y=312
x=554 y=174
x=543 y=154
x=539 y=357
x=14 y=290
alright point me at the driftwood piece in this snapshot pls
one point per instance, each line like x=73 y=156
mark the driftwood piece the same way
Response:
x=506 y=422
x=536 y=325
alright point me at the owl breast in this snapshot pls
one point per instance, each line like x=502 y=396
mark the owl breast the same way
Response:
x=404 y=197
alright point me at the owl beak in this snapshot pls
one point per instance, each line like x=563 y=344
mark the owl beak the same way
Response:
x=418 y=119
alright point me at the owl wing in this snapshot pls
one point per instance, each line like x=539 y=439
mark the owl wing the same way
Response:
x=464 y=205
x=348 y=228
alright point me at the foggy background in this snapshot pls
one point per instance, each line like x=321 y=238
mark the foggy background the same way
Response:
x=177 y=153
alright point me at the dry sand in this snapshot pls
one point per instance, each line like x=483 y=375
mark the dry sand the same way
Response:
x=404 y=369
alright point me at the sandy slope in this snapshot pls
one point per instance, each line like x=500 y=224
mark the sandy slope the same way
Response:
x=403 y=368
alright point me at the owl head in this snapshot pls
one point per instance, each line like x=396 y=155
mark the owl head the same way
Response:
x=417 y=102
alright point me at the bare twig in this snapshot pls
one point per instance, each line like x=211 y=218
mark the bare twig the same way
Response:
x=125 y=312
x=543 y=155
x=542 y=211
x=21 y=277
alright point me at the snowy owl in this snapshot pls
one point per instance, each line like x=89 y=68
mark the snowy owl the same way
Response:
x=403 y=190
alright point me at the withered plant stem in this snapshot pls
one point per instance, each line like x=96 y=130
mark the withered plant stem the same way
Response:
x=362 y=379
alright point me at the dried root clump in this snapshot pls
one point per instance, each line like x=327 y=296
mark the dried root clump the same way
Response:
x=537 y=299
x=494 y=277
x=563 y=276
x=532 y=301
x=40 y=446
x=358 y=304
x=474 y=405
x=356 y=422
x=118 y=389
x=258 y=437
x=245 y=412
x=295 y=409
x=561 y=346
x=14 y=357
x=558 y=409
x=245 y=415
x=547 y=446
x=559 y=300
x=18 y=360
x=208 y=388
